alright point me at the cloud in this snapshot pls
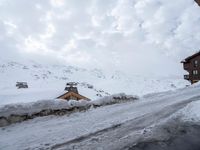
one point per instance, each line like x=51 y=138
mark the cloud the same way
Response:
x=129 y=35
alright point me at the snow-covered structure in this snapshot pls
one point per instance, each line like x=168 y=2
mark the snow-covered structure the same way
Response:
x=21 y=85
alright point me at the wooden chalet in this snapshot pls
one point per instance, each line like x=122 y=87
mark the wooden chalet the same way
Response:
x=198 y=2
x=192 y=65
x=72 y=93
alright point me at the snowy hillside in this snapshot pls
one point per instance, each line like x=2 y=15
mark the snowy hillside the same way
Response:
x=48 y=82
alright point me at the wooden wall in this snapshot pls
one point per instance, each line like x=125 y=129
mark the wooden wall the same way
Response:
x=190 y=67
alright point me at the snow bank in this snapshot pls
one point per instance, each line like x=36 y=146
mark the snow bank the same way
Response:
x=113 y=99
x=13 y=113
x=35 y=107
x=191 y=113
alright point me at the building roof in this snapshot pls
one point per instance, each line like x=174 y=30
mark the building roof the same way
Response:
x=190 y=57
x=71 y=93
x=198 y=2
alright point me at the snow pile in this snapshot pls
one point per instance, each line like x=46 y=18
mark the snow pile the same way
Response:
x=13 y=113
x=190 y=113
x=38 y=106
x=113 y=99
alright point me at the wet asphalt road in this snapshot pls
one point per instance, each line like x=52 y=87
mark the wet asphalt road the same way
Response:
x=186 y=138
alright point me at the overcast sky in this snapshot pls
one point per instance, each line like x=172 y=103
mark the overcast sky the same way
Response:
x=140 y=36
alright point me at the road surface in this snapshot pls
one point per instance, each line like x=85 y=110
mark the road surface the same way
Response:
x=111 y=127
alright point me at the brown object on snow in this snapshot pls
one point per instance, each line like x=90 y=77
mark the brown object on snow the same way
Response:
x=72 y=93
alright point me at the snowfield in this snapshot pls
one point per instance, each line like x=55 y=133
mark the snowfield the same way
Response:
x=109 y=127
x=48 y=82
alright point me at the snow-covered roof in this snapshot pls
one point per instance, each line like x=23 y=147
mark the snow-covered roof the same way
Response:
x=192 y=56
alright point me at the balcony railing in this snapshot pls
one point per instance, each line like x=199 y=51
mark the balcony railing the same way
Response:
x=186 y=77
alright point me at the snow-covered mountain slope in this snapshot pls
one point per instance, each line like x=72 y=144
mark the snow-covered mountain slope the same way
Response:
x=48 y=82
x=110 y=127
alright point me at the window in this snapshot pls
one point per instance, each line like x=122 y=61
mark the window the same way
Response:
x=195 y=72
x=195 y=63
